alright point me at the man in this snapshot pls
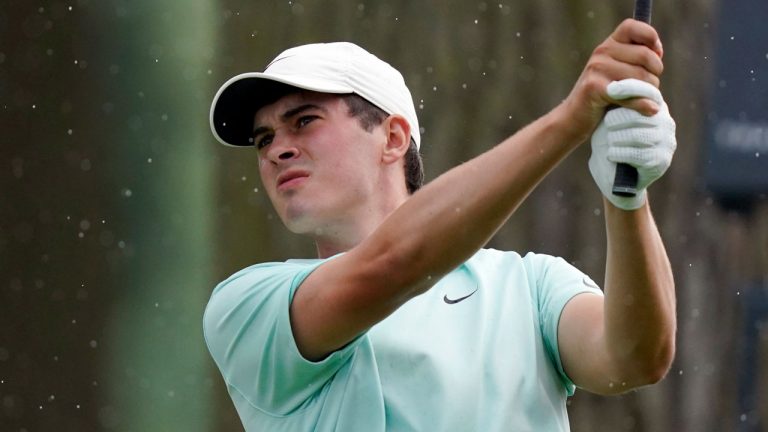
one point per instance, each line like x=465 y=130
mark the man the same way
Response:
x=405 y=323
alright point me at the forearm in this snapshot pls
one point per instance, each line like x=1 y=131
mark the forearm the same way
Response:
x=640 y=317
x=453 y=216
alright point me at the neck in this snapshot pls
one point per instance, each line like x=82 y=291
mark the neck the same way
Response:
x=348 y=234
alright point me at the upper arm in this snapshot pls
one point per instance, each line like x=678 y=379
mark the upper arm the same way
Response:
x=247 y=330
x=581 y=342
x=343 y=298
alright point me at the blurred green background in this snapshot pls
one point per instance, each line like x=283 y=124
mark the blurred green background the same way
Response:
x=119 y=212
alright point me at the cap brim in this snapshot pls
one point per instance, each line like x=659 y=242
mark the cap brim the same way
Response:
x=238 y=99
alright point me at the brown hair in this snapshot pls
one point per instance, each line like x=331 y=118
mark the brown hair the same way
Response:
x=369 y=116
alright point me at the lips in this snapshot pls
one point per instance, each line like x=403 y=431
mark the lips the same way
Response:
x=290 y=178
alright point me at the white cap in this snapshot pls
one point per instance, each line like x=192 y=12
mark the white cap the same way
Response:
x=338 y=67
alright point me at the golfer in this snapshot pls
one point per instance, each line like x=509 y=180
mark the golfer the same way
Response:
x=405 y=322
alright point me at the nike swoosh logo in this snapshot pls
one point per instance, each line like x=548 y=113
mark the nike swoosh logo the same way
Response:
x=588 y=282
x=454 y=301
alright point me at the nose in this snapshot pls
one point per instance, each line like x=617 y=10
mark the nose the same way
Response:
x=282 y=149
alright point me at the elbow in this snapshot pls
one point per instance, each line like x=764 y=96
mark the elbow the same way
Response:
x=660 y=365
x=652 y=368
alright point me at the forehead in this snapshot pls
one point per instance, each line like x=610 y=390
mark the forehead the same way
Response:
x=276 y=109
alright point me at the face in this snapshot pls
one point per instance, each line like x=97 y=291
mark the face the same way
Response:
x=316 y=162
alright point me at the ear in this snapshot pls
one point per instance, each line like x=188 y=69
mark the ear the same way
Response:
x=398 y=138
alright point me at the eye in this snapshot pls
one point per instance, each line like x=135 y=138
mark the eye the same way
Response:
x=305 y=120
x=263 y=141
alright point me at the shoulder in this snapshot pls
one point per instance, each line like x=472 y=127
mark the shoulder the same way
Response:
x=264 y=275
x=539 y=269
x=255 y=288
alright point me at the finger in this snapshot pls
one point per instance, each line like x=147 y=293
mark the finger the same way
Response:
x=631 y=31
x=623 y=118
x=644 y=106
x=633 y=87
x=614 y=71
x=638 y=55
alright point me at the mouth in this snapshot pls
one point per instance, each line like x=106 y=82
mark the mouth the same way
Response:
x=291 y=178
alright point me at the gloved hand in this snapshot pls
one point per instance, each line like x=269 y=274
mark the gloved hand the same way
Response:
x=624 y=135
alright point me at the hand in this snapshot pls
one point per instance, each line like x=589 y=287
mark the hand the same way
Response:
x=626 y=136
x=633 y=50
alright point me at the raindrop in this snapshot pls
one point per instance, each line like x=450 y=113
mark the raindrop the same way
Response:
x=475 y=21
x=69 y=131
x=149 y=160
x=255 y=189
x=127 y=193
x=93 y=344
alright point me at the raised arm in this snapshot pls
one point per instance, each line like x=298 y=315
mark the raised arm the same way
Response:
x=453 y=216
x=627 y=339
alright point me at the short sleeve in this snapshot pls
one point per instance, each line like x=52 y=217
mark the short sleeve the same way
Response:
x=557 y=282
x=248 y=332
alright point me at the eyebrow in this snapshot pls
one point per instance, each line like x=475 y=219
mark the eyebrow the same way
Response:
x=258 y=130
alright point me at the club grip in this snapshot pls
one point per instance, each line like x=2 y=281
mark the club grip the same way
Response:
x=625 y=182
x=643 y=10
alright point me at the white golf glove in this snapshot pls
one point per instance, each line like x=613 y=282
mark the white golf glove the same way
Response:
x=626 y=136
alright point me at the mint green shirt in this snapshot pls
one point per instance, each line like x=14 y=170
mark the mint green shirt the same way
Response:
x=477 y=352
